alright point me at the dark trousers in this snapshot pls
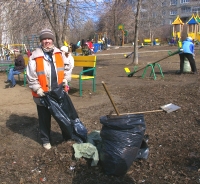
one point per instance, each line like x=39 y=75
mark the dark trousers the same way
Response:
x=190 y=59
x=44 y=116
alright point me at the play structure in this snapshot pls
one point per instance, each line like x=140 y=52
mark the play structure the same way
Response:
x=32 y=42
x=177 y=27
x=193 y=27
x=123 y=32
x=151 y=65
x=17 y=47
x=11 y=48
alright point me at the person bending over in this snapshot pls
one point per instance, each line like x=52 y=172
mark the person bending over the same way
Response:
x=187 y=52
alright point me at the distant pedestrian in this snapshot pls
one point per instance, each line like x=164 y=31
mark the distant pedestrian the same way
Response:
x=106 y=43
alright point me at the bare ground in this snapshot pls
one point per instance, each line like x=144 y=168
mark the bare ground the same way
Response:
x=173 y=137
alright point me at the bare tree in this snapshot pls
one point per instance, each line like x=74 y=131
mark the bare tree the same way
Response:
x=57 y=14
x=114 y=13
x=137 y=17
x=21 y=18
x=65 y=15
x=152 y=18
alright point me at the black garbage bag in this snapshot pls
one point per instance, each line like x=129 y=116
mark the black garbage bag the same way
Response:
x=122 y=137
x=63 y=111
x=143 y=153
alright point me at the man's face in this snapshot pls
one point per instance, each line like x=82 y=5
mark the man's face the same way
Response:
x=47 y=43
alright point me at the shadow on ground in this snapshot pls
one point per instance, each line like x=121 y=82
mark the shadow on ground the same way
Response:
x=28 y=127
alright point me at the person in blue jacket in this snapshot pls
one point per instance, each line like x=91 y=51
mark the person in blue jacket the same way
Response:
x=188 y=52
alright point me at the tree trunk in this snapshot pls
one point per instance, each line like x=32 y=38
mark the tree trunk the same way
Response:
x=135 y=57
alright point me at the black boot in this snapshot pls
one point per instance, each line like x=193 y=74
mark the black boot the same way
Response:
x=7 y=81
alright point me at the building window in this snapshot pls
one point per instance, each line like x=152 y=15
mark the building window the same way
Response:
x=164 y=4
x=173 y=2
x=154 y=15
x=184 y=1
x=185 y=9
x=163 y=23
x=163 y=12
x=173 y=12
x=196 y=9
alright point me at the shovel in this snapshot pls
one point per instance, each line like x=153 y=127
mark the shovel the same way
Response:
x=165 y=108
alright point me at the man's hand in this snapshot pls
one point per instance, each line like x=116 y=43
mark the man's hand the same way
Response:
x=65 y=83
x=40 y=92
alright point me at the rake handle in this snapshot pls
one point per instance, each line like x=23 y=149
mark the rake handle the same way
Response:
x=104 y=85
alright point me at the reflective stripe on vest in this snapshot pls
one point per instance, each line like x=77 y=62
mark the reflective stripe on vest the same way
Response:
x=41 y=74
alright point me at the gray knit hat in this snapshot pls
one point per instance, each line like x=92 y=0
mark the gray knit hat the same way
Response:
x=46 y=33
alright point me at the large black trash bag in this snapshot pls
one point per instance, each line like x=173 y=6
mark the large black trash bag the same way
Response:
x=122 y=137
x=63 y=111
x=143 y=153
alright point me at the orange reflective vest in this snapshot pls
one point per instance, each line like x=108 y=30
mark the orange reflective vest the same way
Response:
x=41 y=74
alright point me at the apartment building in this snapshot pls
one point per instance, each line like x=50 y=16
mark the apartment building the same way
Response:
x=183 y=8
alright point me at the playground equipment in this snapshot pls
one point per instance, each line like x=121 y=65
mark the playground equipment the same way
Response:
x=99 y=36
x=66 y=44
x=18 y=47
x=11 y=48
x=193 y=27
x=32 y=42
x=177 y=27
x=124 y=33
x=129 y=55
x=152 y=65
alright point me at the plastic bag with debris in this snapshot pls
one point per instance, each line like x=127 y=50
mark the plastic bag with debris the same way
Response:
x=63 y=111
x=122 y=138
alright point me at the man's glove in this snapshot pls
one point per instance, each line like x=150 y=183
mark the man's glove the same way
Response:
x=65 y=83
x=40 y=92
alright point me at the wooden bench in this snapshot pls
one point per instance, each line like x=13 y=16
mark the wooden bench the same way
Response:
x=88 y=63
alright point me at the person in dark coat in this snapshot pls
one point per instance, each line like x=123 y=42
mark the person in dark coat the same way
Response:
x=17 y=69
